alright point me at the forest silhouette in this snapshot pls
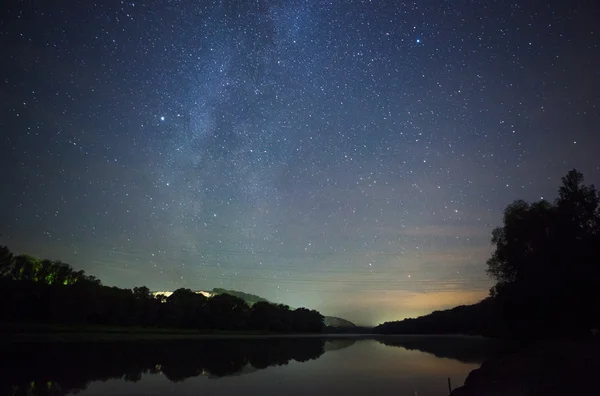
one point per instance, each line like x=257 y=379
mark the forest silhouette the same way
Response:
x=546 y=265
x=51 y=292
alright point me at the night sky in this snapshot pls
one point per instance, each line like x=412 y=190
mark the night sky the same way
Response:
x=348 y=156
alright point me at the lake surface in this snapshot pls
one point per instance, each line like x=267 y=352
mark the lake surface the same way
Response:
x=392 y=365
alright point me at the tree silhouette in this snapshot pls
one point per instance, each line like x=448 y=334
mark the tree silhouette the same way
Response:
x=186 y=309
x=546 y=264
x=142 y=293
x=45 y=291
x=6 y=261
x=547 y=259
x=226 y=312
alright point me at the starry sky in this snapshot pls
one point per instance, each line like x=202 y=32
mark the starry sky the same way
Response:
x=348 y=156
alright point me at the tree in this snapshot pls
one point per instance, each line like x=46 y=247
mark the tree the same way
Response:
x=142 y=293
x=523 y=242
x=547 y=258
x=307 y=321
x=578 y=205
x=227 y=312
x=186 y=309
x=24 y=267
x=270 y=317
x=6 y=261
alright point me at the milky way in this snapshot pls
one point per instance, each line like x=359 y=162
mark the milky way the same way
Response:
x=350 y=156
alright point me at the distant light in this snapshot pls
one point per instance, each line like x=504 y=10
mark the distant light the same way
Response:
x=162 y=118
x=418 y=41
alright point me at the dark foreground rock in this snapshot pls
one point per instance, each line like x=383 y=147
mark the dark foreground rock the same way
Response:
x=549 y=368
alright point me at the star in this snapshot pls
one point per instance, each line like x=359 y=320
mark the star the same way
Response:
x=293 y=147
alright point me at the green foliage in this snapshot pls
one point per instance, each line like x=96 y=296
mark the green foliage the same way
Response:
x=29 y=268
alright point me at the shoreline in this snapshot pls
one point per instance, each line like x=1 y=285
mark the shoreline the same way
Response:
x=61 y=333
x=99 y=337
x=548 y=367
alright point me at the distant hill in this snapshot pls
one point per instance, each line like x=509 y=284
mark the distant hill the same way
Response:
x=330 y=321
x=333 y=321
x=250 y=299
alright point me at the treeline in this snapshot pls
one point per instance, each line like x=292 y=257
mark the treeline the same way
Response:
x=47 y=292
x=332 y=323
x=27 y=268
x=476 y=319
x=546 y=265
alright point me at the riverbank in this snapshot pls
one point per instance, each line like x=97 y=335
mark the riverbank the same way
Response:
x=551 y=367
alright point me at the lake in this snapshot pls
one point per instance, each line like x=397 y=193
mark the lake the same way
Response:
x=387 y=365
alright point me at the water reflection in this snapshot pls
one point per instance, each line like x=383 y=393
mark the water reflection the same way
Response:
x=67 y=367
x=60 y=368
x=465 y=349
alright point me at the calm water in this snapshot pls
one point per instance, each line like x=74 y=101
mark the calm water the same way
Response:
x=406 y=365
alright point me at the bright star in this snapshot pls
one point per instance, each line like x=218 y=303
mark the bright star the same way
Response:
x=162 y=118
x=418 y=41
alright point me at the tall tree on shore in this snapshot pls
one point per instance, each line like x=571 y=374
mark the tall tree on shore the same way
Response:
x=547 y=255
